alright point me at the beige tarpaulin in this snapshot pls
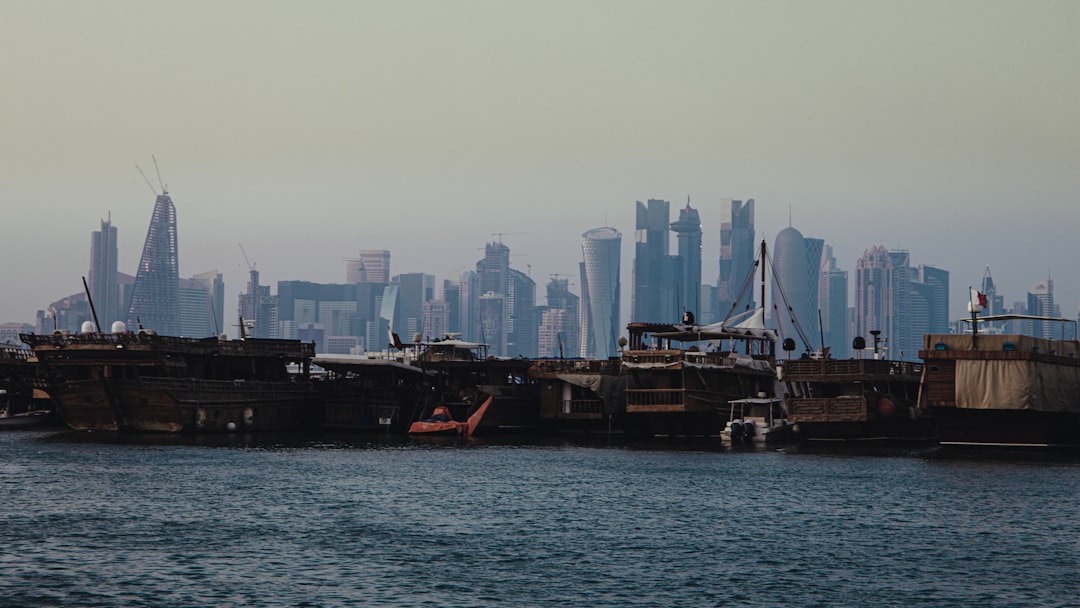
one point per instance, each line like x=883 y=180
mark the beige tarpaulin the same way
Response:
x=1025 y=385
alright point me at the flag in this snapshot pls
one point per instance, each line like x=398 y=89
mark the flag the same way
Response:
x=977 y=301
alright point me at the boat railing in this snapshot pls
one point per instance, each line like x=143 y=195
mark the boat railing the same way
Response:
x=224 y=387
x=834 y=409
x=252 y=347
x=850 y=367
x=15 y=353
x=670 y=357
x=577 y=366
x=582 y=406
x=655 y=396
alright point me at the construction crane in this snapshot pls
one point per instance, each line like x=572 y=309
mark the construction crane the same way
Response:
x=250 y=265
x=502 y=234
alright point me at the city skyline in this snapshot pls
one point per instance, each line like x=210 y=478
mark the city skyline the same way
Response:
x=312 y=143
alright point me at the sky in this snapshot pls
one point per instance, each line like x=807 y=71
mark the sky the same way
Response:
x=307 y=131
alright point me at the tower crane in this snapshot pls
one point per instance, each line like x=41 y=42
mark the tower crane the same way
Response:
x=502 y=234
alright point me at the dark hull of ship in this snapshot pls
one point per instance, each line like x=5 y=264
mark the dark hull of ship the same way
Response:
x=164 y=405
x=681 y=424
x=348 y=405
x=896 y=429
x=1007 y=428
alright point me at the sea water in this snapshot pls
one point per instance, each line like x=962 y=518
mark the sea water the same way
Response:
x=90 y=520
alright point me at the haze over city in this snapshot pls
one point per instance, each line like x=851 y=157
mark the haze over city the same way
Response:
x=308 y=132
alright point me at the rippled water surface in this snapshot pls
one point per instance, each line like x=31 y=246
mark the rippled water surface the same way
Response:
x=339 y=521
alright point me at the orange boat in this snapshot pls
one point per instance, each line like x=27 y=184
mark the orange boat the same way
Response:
x=441 y=423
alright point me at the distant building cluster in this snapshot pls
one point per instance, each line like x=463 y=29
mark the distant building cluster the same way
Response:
x=808 y=297
x=155 y=298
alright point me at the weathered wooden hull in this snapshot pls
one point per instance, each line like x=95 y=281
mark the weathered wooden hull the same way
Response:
x=84 y=405
x=185 y=405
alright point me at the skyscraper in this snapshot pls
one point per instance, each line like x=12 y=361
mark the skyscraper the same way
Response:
x=736 y=254
x=793 y=302
x=560 y=323
x=492 y=309
x=257 y=308
x=375 y=264
x=901 y=302
x=600 y=292
x=522 y=325
x=687 y=230
x=104 y=287
x=201 y=303
x=155 y=301
x=653 y=287
x=833 y=303
x=1040 y=303
x=815 y=249
x=873 y=293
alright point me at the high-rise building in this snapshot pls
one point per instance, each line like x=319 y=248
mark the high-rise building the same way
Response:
x=257 y=309
x=934 y=282
x=736 y=256
x=436 y=321
x=833 y=303
x=1040 y=303
x=904 y=339
x=873 y=293
x=202 y=301
x=452 y=297
x=793 y=300
x=155 y=301
x=522 y=324
x=194 y=309
x=901 y=302
x=687 y=230
x=104 y=286
x=355 y=271
x=560 y=322
x=414 y=289
x=375 y=265
x=498 y=289
x=600 y=292
x=493 y=270
x=653 y=292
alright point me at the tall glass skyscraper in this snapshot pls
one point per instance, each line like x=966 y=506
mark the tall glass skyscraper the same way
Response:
x=737 y=251
x=687 y=230
x=792 y=301
x=104 y=288
x=600 y=249
x=653 y=292
x=155 y=298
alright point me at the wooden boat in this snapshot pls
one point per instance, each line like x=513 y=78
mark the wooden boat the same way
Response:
x=371 y=394
x=1008 y=390
x=463 y=372
x=681 y=379
x=441 y=423
x=582 y=395
x=144 y=382
x=20 y=403
x=856 y=400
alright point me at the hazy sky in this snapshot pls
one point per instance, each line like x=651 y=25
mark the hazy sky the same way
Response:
x=309 y=130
